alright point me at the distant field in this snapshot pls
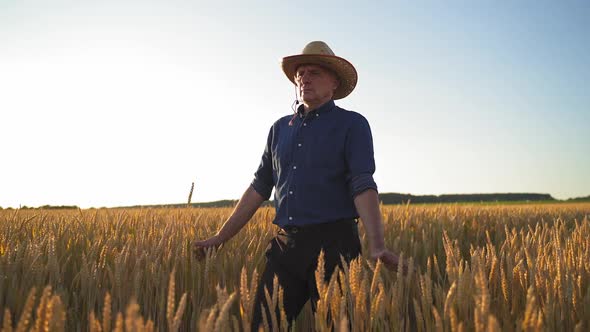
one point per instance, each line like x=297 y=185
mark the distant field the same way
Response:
x=496 y=267
x=498 y=203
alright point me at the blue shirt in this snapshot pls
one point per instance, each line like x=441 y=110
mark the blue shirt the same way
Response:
x=317 y=164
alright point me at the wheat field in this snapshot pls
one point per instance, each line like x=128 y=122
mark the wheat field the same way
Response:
x=472 y=268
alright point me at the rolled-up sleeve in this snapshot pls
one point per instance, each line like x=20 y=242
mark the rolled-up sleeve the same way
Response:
x=263 y=180
x=359 y=157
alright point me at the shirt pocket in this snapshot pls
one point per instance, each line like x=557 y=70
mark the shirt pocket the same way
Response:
x=326 y=151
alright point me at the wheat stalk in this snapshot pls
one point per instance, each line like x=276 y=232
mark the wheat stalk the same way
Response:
x=171 y=301
x=106 y=313
x=25 y=317
x=190 y=195
x=7 y=324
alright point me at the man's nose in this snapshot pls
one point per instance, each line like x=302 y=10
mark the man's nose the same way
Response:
x=305 y=78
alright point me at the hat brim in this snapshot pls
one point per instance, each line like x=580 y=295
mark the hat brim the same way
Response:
x=345 y=70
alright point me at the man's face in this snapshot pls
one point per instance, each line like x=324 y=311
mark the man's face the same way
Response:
x=315 y=84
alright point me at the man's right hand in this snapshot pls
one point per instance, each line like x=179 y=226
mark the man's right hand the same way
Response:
x=200 y=247
x=244 y=210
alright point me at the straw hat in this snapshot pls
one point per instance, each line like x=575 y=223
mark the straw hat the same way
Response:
x=319 y=53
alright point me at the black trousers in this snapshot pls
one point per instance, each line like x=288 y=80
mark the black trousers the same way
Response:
x=292 y=256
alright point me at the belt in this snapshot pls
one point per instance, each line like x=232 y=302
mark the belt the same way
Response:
x=329 y=226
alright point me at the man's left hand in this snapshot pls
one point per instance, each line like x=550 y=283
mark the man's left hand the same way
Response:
x=389 y=259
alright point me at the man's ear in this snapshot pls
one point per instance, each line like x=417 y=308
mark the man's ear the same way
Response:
x=336 y=83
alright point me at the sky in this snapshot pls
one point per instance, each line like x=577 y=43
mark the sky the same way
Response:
x=116 y=103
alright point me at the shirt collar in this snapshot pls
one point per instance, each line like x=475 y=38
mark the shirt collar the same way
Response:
x=322 y=109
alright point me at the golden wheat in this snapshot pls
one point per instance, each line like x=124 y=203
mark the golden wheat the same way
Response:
x=470 y=267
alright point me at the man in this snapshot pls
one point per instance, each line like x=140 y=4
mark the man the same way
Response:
x=320 y=163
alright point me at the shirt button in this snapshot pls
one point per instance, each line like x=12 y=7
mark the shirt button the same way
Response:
x=299 y=144
x=290 y=192
x=290 y=218
x=305 y=124
x=317 y=114
x=294 y=167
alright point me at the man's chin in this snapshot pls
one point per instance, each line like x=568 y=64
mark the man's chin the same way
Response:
x=309 y=99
